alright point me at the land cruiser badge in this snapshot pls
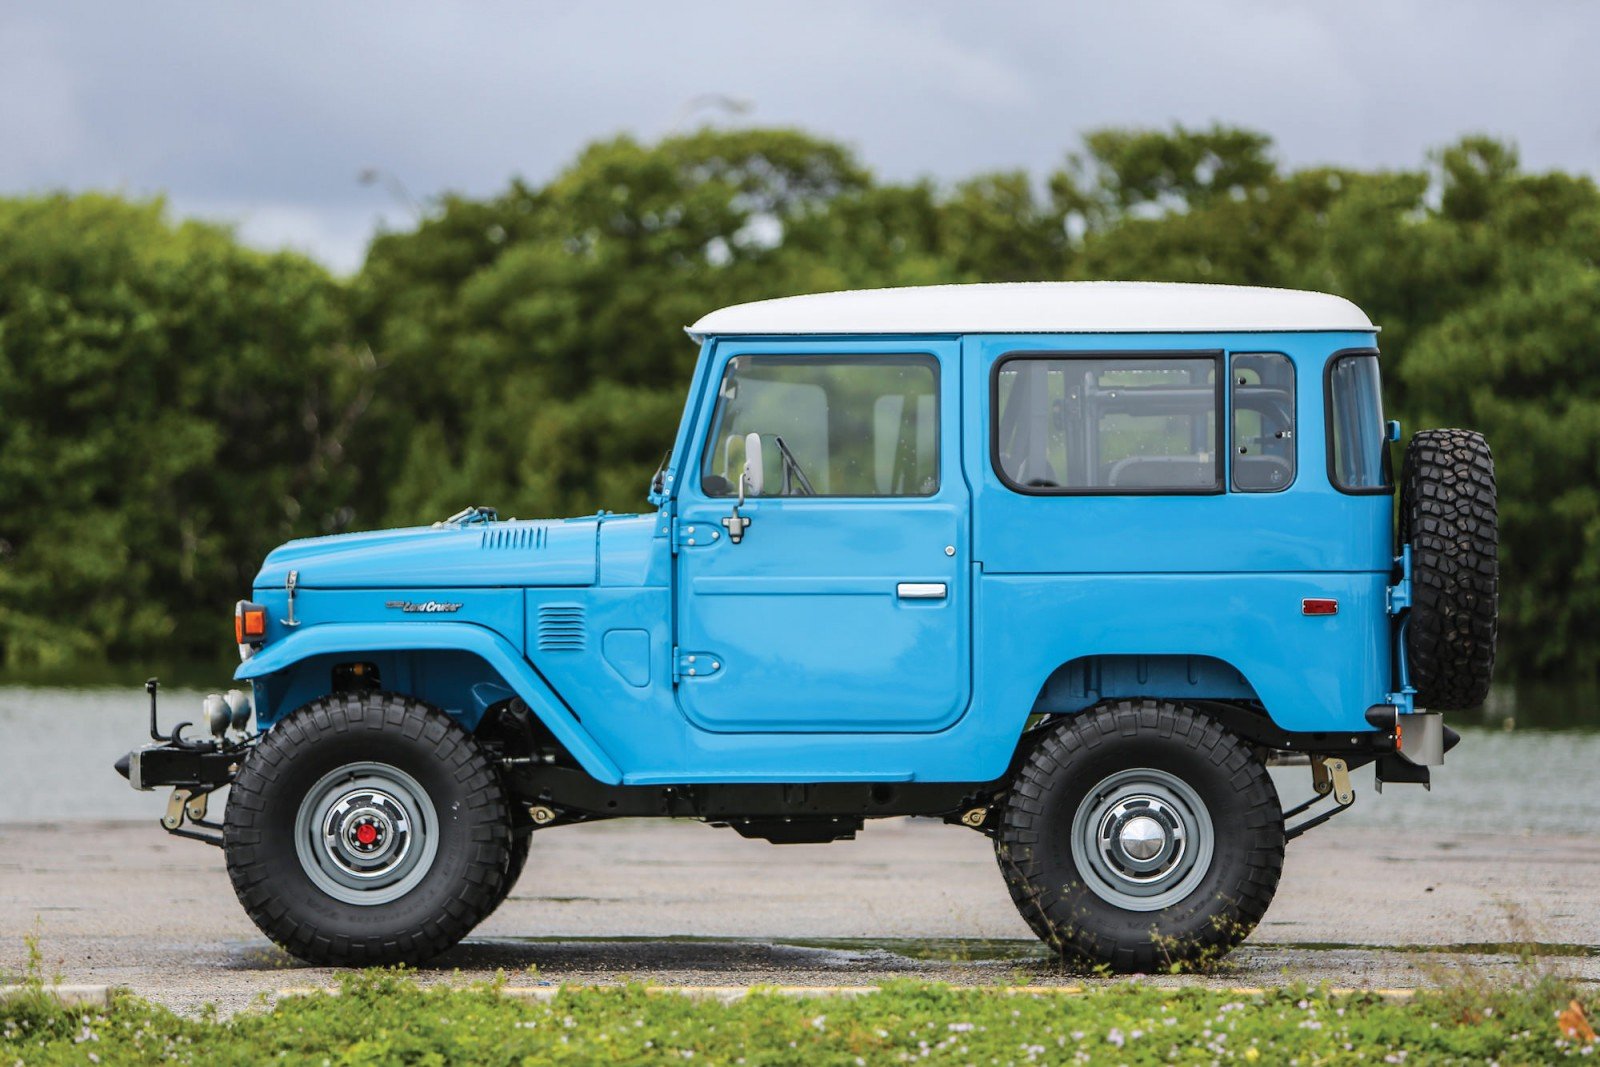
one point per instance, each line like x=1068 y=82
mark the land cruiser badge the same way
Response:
x=427 y=607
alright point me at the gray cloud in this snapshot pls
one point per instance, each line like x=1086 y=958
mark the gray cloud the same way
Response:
x=265 y=114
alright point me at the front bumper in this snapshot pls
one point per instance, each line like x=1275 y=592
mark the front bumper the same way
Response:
x=187 y=765
x=193 y=768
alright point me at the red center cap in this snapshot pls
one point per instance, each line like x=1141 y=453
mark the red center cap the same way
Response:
x=366 y=833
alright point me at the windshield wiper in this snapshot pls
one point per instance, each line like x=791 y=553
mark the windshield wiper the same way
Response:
x=468 y=516
x=792 y=466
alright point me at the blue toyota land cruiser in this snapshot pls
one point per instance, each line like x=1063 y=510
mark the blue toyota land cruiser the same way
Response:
x=1066 y=564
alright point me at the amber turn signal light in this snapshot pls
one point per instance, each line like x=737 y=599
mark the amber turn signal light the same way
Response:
x=249 y=622
x=1319 y=606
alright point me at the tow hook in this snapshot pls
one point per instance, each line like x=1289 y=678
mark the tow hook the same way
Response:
x=1330 y=779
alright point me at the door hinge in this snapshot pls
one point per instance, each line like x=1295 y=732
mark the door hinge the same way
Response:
x=693 y=664
x=693 y=534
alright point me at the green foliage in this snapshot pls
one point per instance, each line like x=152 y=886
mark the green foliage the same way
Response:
x=380 y=1018
x=175 y=404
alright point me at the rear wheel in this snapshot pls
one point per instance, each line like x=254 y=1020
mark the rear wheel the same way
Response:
x=367 y=828
x=1141 y=834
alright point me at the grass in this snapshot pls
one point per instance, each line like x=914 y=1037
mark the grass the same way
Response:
x=383 y=1017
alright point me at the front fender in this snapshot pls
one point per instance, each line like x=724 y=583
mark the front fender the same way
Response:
x=357 y=638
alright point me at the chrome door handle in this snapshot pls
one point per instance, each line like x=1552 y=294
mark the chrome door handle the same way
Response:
x=920 y=590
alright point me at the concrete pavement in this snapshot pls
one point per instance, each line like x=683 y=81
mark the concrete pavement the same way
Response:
x=681 y=903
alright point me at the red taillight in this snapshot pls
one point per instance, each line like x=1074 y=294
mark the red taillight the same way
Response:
x=1313 y=605
x=249 y=622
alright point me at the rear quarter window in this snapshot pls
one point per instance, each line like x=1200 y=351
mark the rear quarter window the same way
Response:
x=1358 y=449
x=1263 y=422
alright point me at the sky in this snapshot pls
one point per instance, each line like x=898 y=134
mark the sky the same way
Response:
x=266 y=115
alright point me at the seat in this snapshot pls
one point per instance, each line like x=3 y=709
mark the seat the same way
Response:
x=1163 y=472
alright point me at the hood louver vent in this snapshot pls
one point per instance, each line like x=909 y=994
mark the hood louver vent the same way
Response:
x=561 y=628
x=524 y=537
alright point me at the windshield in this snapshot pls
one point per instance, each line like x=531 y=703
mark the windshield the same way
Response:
x=1357 y=442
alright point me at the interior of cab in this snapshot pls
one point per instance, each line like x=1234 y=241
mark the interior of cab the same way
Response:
x=1109 y=423
x=1144 y=423
x=830 y=426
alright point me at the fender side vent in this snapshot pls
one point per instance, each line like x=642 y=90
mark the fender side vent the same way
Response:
x=561 y=628
x=523 y=537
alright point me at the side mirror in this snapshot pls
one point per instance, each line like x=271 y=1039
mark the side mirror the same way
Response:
x=754 y=476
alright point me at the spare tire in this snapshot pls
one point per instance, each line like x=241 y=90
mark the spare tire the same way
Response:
x=1447 y=516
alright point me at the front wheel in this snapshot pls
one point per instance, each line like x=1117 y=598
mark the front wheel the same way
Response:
x=1140 y=835
x=367 y=829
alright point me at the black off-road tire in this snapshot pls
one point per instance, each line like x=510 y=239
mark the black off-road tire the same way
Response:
x=1069 y=762
x=1448 y=517
x=516 y=861
x=456 y=890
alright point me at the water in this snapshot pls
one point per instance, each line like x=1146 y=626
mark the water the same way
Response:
x=1529 y=762
x=57 y=746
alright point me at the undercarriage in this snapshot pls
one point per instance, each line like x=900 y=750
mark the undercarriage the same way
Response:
x=550 y=790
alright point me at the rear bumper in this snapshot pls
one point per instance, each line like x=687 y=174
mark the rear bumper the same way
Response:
x=1420 y=737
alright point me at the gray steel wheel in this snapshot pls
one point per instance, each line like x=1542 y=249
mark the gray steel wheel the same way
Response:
x=366 y=833
x=1140 y=834
x=1142 y=839
x=367 y=829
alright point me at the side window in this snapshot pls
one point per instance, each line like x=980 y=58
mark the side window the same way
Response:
x=1357 y=445
x=1108 y=424
x=1263 y=422
x=856 y=426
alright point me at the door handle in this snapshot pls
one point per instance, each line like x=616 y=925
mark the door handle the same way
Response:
x=920 y=590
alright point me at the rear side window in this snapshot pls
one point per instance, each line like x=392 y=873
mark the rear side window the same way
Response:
x=1263 y=422
x=858 y=426
x=1108 y=424
x=1357 y=443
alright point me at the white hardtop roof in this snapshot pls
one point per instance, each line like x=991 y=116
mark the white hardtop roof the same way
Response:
x=1042 y=307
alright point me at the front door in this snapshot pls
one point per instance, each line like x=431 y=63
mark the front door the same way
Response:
x=844 y=606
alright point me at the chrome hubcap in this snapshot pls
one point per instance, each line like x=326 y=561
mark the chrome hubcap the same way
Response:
x=366 y=833
x=1142 y=839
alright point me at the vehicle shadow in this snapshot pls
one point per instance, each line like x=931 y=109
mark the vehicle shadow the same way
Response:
x=690 y=960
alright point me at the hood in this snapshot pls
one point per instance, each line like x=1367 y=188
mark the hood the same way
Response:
x=546 y=553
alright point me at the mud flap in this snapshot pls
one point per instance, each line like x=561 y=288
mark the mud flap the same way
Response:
x=1399 y=769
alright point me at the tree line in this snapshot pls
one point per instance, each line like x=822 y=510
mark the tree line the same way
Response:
x=173 y=403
